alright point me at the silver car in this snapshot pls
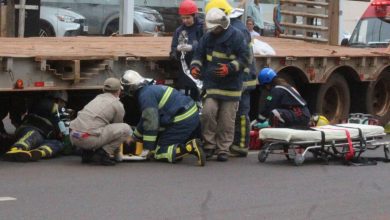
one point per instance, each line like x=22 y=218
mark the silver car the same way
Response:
x=59 y=22
x=103 y=15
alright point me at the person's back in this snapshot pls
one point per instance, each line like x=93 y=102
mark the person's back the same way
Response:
x=104 y=109
x=98 y=129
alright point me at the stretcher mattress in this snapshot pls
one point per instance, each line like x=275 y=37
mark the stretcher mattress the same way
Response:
x=332 y=132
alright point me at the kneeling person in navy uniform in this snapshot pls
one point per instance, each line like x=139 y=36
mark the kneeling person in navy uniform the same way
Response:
x=169 y=119
x=39 y=134
x=284 y=107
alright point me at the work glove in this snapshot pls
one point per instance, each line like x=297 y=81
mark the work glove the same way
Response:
x=195 y=71
x=184 y=47
x=223 y=70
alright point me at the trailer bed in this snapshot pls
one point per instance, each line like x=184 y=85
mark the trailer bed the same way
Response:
x=154 y=48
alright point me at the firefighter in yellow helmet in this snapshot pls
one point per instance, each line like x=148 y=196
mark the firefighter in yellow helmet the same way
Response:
x=221 y=4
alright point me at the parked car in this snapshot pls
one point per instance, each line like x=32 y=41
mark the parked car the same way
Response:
x=59 y=22
x=103 y=15
x=146 y=20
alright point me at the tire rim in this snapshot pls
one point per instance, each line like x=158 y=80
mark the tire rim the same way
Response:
x=381 y=97
x=43 y=33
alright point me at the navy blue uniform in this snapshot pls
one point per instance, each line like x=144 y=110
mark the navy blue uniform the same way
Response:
x=169 y=118
x=194 y=33
x=285 y=107
x=39 y=129
x=230 y=48
x=242 y=123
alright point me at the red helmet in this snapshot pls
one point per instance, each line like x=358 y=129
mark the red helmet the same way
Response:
x=188 y=7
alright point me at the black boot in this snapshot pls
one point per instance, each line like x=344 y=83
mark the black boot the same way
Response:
x=194 y=147
x=101 y=157
x=222 y=157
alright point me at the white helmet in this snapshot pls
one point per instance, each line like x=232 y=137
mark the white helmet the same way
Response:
x=131 y=81
x=216 y=17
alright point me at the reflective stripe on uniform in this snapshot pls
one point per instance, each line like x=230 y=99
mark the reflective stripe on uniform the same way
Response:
x=168 y=155
x=250 y=83
x=186 y=114
x=150 y=138
x=165 y=97
x=224 y=92
x=137 y=133
x=220 y=55
x=46 y=150
x=243 y=130
x=22 y=141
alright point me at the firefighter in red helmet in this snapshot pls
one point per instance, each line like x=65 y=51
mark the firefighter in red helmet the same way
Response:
x=184 y=43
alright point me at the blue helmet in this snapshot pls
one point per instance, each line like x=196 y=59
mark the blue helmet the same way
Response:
x=266 y=76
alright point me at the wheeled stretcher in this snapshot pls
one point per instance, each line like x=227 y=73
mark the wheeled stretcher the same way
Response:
x=341 y=141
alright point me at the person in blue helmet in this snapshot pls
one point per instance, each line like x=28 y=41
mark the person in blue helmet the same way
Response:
x=184 y=42
x=169 y=119
x=284 y=107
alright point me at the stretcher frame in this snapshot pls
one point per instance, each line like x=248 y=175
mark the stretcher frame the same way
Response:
x=334 y=149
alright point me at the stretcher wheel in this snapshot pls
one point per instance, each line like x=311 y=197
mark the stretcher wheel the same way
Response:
x=299 y=159
x=263 y=154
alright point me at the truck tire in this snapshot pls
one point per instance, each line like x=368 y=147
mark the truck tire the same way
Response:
x=45 y=29
x=377 y=100
x=333 y=99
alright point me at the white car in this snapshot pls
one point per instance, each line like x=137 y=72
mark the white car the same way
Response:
x=59 y=22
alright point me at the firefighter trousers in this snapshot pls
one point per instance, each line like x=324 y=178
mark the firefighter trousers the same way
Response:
x=29 y=138
x=217 y=120
x=176 y=135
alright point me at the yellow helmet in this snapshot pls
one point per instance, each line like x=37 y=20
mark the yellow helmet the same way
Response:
x=221 y=4
x=320 y=120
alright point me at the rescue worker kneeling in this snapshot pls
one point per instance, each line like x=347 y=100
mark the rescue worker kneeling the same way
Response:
x=168 y=120
x=284 y=106
x=98 y=129
x=39 y=135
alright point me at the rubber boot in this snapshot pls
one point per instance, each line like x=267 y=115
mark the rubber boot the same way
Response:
x=37 y=154
x=18 y=155
x=193 y=147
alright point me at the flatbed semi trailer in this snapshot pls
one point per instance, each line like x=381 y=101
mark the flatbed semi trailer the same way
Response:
x=334 y=80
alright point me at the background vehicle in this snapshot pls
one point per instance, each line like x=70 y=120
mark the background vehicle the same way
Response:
x=58 y=22
x=373 y=28
x=103 y=15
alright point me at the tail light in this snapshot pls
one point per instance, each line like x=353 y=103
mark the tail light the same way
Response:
x=19 y=84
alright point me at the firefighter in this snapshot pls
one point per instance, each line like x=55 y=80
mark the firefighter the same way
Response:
x=240 y=144
x=219 y=61
x=98 y=129
x=284 y=106
x=39 y=135
x=169 y=119
x=184 y=41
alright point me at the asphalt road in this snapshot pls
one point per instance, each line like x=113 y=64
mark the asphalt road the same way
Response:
x=62 y=188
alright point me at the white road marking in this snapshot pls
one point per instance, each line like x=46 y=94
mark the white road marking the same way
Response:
x=3 y=199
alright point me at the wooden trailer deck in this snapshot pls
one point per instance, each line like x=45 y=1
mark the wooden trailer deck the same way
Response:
x=152 y=48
